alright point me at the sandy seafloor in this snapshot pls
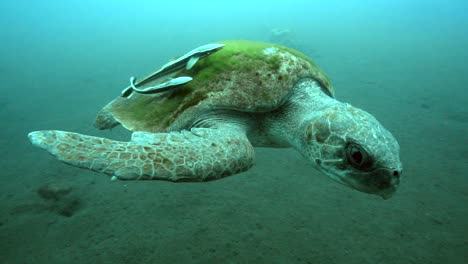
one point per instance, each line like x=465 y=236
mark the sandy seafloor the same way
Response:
x=282 y=210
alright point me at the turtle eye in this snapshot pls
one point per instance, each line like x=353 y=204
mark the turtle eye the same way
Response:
x=357 y=156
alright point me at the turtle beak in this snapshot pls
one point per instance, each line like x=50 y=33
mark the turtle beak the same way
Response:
x=387 y=194
x=381 y=182
x=390 y=182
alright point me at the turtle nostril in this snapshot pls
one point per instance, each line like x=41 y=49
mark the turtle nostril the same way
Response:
x=396 y=174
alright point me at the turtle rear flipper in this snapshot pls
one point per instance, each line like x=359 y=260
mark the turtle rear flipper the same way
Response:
x=105 y=120
x=197 y=155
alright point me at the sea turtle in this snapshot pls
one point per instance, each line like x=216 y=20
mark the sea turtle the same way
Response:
x=243 y=94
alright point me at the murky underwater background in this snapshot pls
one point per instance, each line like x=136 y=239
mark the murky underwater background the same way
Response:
x=403 y=61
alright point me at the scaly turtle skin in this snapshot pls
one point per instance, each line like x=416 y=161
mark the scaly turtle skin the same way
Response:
x=245 y=95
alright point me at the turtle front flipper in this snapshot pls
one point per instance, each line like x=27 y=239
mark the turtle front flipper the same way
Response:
x=197 y=155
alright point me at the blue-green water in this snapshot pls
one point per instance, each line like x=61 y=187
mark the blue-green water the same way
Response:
x=403 y=61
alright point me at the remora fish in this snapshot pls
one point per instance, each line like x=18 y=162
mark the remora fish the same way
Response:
x=188 y=61
x=172 y=83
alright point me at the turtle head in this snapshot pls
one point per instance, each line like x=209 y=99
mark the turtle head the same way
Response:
x=353 y=148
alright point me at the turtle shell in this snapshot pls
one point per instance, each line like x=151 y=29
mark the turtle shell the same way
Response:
x=244 y=76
